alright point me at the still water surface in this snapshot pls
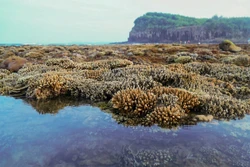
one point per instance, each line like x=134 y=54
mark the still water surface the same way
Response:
x=82 y=135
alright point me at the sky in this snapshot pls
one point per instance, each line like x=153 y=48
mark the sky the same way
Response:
x=73 y=21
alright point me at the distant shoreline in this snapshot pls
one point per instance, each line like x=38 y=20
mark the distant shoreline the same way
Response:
x=101 y=44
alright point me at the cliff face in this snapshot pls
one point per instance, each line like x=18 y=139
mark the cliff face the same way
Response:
x=205 y=33
x=189 y=33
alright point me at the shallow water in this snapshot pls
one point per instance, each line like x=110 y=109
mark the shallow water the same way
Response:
x=85 y=136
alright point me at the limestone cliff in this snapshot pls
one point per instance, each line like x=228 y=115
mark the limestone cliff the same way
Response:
x=167 y=28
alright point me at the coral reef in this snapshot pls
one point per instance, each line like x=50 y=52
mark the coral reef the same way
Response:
x=163 y=84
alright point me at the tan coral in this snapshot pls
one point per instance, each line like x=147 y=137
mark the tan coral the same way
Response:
x=62 y=62
x=134 y=102
x=48 y=86
x=110 y=64
x=186 y=100
x=165 y=115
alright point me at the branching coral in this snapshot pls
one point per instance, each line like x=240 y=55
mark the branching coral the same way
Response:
x=160 y=105
x=222 y=107
x=92 y=89
x=167 y=100
x=184 y=80
x=134 y=102
x=141 y=82
x=169 y=115
x=186 y=100
x=4 y=73
x=89 y=74
x=35 y=69
x=231 y=73
x=64 y=63
x=109 y=64
x=47 y=86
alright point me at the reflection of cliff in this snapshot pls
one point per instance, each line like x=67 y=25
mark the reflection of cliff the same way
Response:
x=158 y=27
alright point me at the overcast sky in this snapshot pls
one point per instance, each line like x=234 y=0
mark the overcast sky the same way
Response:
x=50 y=21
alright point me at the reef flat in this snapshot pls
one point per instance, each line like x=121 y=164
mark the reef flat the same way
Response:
x=164 y=84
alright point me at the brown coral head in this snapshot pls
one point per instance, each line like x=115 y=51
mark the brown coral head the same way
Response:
x=13 y=63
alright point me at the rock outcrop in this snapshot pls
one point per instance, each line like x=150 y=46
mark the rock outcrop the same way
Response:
x=228 y=45
x=167 y=28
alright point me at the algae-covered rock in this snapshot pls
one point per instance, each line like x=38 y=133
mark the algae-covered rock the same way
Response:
x=228 y=45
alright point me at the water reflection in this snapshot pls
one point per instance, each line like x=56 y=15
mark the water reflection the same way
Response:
x=53 y=106
x=86 y=136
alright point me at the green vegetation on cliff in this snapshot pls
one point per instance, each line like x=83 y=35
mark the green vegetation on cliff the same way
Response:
x=164 y=21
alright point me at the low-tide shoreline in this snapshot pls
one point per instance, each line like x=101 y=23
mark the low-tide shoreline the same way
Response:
x=163 y=84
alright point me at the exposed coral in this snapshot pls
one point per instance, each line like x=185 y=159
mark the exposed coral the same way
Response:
x=223 y=107
x=46 y=86
x=134 y=102
x=137 y=78
x=229 y=73
x=183 y=59
x=242 y=60
x=160 y=105
x=163 y=116
x=64 y=63
x=186 y=99
x=4 y=73
x=169 y=77
x=92 y=89
x=110 y=64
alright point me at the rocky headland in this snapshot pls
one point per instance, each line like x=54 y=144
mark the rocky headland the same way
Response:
x=171 y=28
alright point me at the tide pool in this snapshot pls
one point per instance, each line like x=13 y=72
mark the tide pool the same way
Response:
x=82 y=135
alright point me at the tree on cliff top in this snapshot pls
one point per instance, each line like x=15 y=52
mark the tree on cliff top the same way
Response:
x=163 y=21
